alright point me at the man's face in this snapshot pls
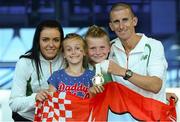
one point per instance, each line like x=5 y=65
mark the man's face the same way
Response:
x=98 y=49
x=123 y=23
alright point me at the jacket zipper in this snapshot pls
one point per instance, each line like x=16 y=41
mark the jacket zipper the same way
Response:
x=127 y=54
x=51 y=68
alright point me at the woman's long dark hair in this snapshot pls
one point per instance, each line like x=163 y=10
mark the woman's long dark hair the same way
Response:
x=34 y=52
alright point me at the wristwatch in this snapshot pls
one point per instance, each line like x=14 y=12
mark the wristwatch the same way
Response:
x=128 y=74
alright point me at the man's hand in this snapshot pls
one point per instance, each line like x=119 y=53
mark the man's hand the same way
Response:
x=173 y=95
x=115 y=69
x=95 y=90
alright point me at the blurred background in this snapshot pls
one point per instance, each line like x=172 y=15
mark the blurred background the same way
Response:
x=159 y=19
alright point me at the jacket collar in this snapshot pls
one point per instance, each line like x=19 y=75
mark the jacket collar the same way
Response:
x=53 y=60
x=139 y=47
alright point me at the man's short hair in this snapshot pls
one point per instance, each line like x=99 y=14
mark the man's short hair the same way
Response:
x=121 y=6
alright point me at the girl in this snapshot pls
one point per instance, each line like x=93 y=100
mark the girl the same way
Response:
x=74 y=78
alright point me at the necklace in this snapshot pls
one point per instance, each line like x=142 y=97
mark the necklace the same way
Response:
x=75 y=73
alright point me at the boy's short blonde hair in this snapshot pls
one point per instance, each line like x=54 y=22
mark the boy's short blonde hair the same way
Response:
x=97 y=32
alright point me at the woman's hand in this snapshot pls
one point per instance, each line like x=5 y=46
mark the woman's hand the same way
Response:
x=42 y=95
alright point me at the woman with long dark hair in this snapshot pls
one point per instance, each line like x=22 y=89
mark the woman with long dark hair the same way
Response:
x=34 y=68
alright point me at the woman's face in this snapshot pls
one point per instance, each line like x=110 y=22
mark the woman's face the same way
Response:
x=50 y=42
